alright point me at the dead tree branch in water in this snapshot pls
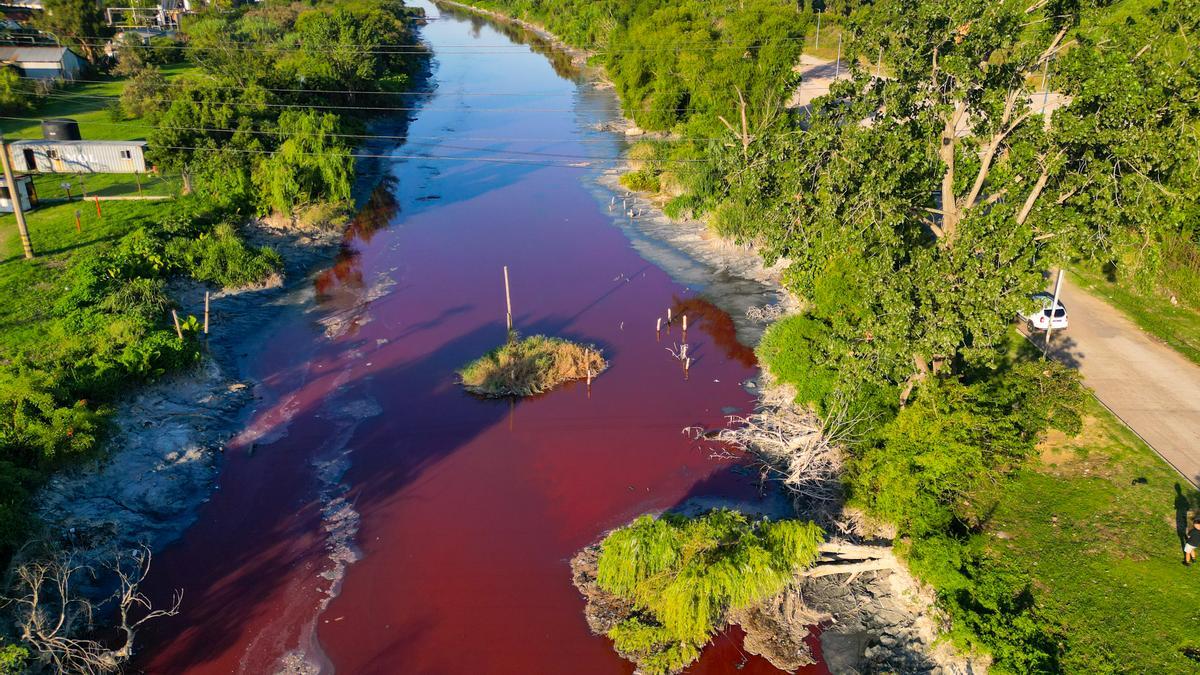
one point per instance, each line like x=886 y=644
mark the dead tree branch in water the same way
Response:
x=791 y=443
x=55 y=618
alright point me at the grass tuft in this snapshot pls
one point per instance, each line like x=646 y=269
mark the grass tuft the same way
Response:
x=529 y=366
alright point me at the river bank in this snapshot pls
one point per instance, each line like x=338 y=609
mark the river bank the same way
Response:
x=166 y=450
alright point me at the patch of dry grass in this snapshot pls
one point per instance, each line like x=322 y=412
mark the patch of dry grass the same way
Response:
x=529 y=366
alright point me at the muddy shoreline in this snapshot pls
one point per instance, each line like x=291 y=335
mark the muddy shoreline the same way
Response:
x=165 y=454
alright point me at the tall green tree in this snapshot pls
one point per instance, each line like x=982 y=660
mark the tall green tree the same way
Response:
x=79 y=24
x=310 y=164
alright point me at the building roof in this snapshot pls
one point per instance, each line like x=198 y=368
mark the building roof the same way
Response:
x=20 y=54
x=42 y=142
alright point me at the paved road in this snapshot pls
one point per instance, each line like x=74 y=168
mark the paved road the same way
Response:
x=1154 y=389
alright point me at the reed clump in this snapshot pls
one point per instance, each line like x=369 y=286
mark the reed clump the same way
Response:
x=529 y=366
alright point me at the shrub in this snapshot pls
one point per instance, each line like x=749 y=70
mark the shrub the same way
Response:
x=683 y=576
x=13 y=659
x=531 y=366
x=642 y=180
x=792 y=351
x=223 y=258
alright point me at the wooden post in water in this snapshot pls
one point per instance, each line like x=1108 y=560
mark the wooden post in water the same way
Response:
x=685 y=324
x=508 y=299
x=658 y=325
x=668 y=316
x=206 y=312
x=178 y=329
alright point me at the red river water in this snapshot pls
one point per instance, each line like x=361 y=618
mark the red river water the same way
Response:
x=452 y=519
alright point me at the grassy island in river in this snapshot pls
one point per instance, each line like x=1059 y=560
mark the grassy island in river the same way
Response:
x=534 y=365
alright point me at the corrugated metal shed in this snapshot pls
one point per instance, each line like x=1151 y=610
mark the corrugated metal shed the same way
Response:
x=79 y=156
x=44 y=62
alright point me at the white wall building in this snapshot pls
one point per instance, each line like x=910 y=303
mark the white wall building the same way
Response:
x=78 y=156
x=24 y=190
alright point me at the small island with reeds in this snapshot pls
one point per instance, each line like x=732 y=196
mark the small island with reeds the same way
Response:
x=530 y=366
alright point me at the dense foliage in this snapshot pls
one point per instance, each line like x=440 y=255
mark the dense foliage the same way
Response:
x=79 y=24
x=109 y=327
x=243 y=118
x=684 y=575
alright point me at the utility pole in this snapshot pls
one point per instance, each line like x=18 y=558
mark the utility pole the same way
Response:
x=1053 y=309
x=818 y=44
x=15 y=199
x=1045 y=85
x=837 y=69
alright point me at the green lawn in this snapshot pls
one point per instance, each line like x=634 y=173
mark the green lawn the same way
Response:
x=1176 y=325
x=28 y=289
x=830 y=32
x=79 y=102
x=50 y=186
x=1094 y=522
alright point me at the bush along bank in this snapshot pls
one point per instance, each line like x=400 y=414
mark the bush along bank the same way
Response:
x=102 y=326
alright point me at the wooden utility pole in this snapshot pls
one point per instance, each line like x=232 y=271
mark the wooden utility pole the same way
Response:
x=1053 y=309
x=15 y=198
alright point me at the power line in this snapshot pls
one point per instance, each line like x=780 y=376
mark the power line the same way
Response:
x=322 y=106
x=175 y=83
x=480 y=139
x=364 y=92
x=422 y=49
x=583 y=163
x=410 y=141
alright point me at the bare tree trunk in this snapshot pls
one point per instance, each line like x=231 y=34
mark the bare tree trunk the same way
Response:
x=1034 y=193
x=950 y=214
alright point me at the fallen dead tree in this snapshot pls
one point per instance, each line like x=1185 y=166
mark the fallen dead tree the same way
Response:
x=793 y=448
x=55 y=618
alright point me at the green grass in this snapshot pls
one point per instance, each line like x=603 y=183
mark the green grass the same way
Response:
x=830 y=32
x=29 y=288
x=1094 y=523
x=50 y=186
x=1176 y=325
x=76 y=102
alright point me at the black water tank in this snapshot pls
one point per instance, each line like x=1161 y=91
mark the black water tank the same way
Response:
x=61 y=130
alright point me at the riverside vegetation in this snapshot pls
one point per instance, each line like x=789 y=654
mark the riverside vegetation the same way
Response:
x=237 y=123
x=679 y=578
x=915 y=213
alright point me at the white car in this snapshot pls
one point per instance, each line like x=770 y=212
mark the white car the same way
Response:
x=1040 y=316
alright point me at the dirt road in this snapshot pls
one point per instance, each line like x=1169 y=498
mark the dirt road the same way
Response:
x=1151 y=387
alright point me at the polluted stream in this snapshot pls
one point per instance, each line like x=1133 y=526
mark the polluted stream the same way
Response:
x=371 y=516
